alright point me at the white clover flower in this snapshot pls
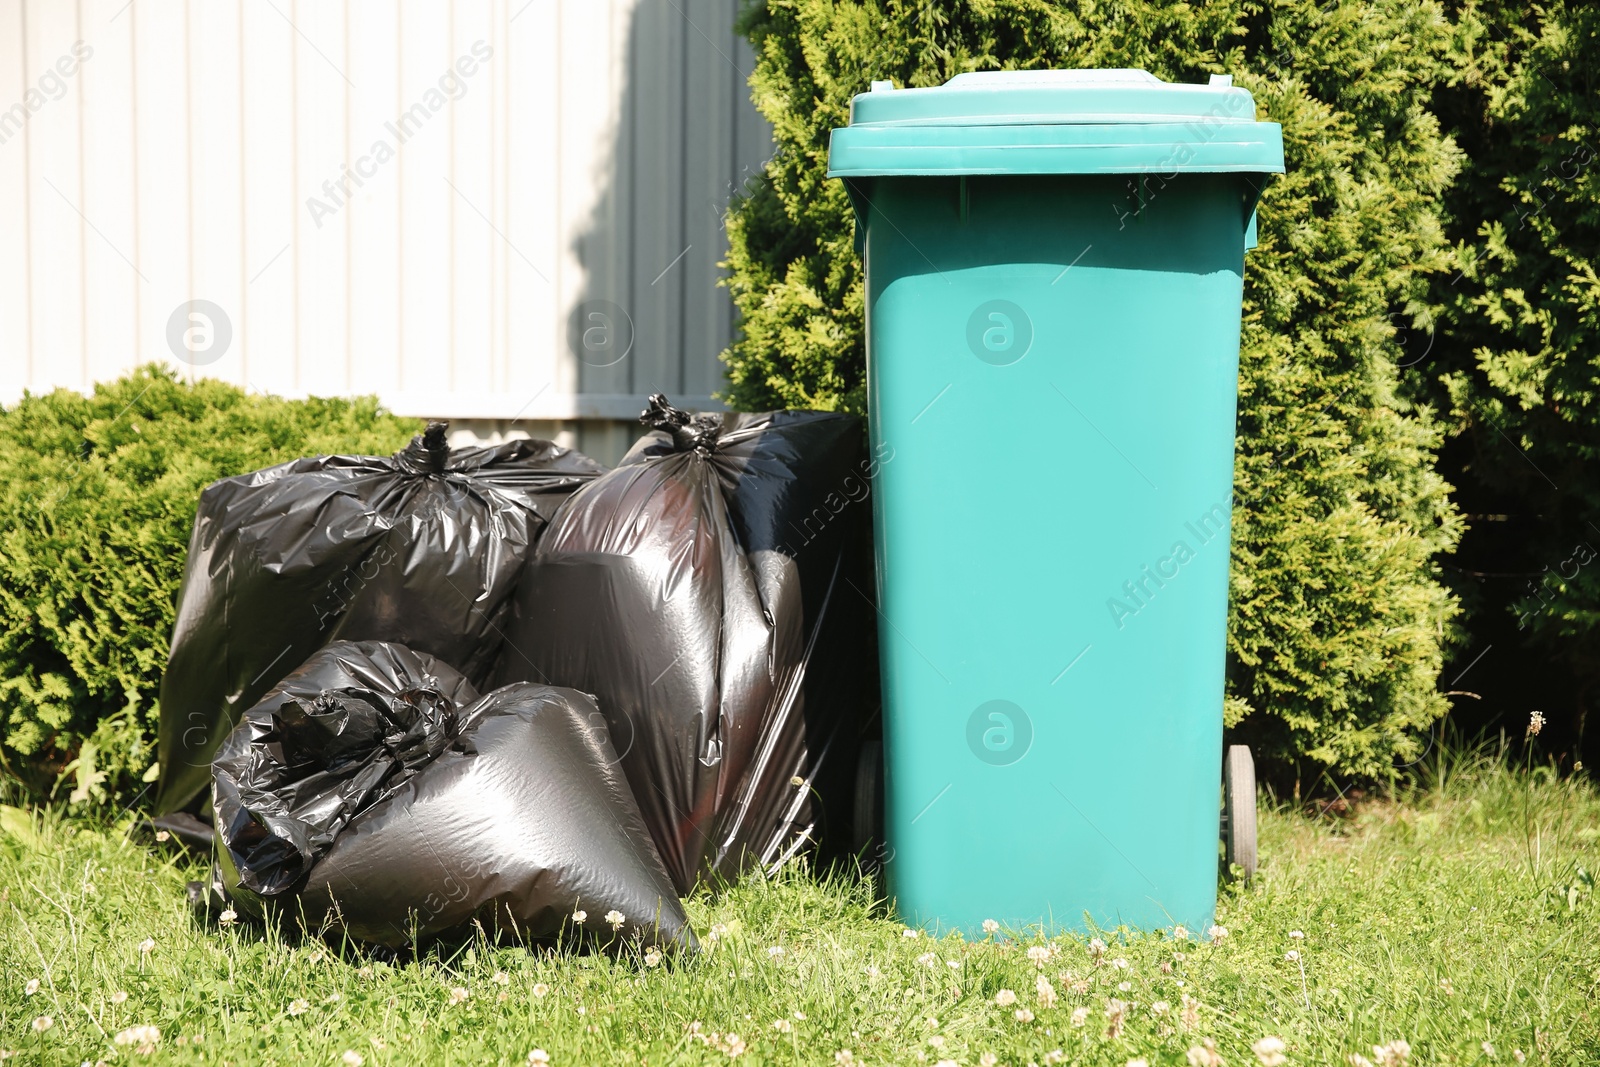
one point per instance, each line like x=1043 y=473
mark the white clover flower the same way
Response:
x=540 y=990
x=1204 y=1054
x=500 y=978
x=1038 y=954
x=228 y=917
x=42 y=1023
x=1097 y=947
x=1269 y=1050
x=775 y=951
x=1488 y=1050
x=144 y=1039
x=352 y=1058
x=1124 y=987
x=652 y=958
x=928 y=959
x=954 y=965
x=538 y=1058
x=783 y=1026
x=1297 y=935
x=1120 y=964
x=1080 y=1016
x=147 y=946
x=1054 y=1056
x=458 y=994
x=1395 y=1054
x=1044 y=991
x=299 y=1006
x=1116 y=1013
x=936 y=1041
x=580 y=916
x=119 y=996
x=873 y=972
x=909 y=932
x=990 y=926
x=1005 y=998
x=843 y=1058
x=1217 y=933
x=615 y=918
x=988 y=1059
x=1292 y=956
x=1180 y=932
x=1160 y=1007
x=1023 y=1015
x=162 y=837
x=31 y=988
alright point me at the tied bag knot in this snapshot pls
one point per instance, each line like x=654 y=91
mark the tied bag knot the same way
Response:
x=428 y=452
x=690 y=433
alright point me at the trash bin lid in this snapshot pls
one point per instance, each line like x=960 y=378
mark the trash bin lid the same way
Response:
x=1055 y=122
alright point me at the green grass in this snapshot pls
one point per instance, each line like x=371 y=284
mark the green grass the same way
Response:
x=1453 y=915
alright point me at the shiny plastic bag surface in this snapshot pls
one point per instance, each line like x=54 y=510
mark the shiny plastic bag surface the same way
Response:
x=374 y=794
x=422 y=548
x=346 y=729
x=714 y=593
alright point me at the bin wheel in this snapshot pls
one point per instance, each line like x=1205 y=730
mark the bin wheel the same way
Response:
x=867 y=828
x=1239 y=810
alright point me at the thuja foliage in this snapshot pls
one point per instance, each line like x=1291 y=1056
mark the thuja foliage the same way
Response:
x=1517 y=353
x=1339 y=618
x=97 y=499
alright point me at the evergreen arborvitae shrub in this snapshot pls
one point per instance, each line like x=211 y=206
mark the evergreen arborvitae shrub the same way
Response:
x=97 y=499
x=1339 y=617
x=1517 y=356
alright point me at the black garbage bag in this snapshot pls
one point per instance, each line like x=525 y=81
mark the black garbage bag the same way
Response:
x=373 y=793
x=350 y=726
x=422 y=548
x=714 y=593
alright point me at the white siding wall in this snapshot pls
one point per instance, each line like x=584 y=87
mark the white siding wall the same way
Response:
x=582 y=168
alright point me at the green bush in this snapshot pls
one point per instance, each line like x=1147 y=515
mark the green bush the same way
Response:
x=1339 y=617
x=1517 y=357
x=97 y=498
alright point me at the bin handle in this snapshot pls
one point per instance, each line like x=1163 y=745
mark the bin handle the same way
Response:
x=1252 y=197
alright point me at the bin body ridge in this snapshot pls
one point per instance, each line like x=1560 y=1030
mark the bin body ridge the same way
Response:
x=1052 y=370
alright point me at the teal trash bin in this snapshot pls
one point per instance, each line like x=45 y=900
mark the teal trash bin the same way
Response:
x=1054 y=267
